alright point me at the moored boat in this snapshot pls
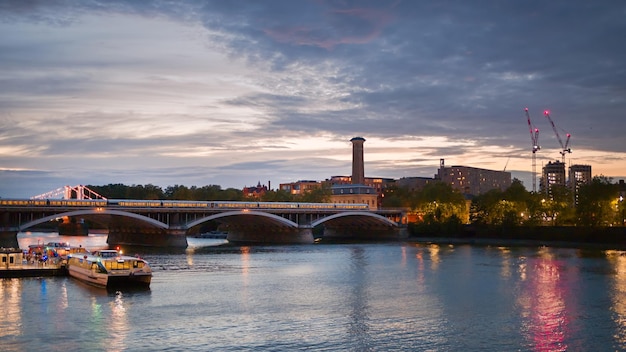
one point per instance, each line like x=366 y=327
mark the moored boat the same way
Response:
x=109 y=269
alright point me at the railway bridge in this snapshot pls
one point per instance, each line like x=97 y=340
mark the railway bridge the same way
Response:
x=162 y=223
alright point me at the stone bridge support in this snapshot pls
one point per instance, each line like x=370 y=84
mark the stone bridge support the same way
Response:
x=8 y=239
x=269 y=234
x=149 y=237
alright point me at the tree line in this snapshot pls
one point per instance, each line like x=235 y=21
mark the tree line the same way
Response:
x=594 y=204
x=437 y=204
x=210 y=192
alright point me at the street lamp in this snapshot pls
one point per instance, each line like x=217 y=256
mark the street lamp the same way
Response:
x=621 y=205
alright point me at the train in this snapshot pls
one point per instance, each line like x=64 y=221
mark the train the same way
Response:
x=131 y=203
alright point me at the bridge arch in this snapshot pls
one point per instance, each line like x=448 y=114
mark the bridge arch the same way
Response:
x=374 y=218
x=142 y=218
x=239 y=213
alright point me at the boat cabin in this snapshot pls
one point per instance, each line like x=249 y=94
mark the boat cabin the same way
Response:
x=11 y=257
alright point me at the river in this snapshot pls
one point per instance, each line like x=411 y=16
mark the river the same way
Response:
x=330 y=297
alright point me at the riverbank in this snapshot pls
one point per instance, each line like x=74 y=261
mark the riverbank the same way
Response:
x=32 y=270
x=554 y=236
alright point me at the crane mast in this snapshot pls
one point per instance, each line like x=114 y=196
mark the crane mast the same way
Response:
x=534 y=137
x=564 y=147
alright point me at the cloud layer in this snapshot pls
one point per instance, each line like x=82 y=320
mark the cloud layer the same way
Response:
x=236 y=92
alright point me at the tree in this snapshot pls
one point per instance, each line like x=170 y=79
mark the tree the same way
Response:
x=439 y=201
x=178 y=192
x=277 y=196
x=511 y=207
x=484 y=208
x=397 y=197
x=594 y=202
x=560 y=208
x=317 y=195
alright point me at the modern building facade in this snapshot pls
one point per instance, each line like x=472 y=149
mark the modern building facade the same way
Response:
x=578 y=175
x=553 y=175
x=300 y=187
x=471 y=180
x=414 y=183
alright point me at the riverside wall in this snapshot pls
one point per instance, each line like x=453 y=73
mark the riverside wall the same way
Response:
x=607 y=237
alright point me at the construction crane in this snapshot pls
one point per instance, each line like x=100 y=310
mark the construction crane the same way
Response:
x=564 y=147
x=534 y=137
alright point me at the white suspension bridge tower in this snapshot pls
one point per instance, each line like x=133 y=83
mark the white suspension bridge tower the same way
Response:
x=70 y=192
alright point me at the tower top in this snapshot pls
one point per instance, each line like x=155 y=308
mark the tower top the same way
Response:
x=357 y=139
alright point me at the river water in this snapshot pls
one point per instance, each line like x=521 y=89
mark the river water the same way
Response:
x=330 y=297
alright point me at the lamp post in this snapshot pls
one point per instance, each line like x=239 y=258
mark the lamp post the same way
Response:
x=621 y=205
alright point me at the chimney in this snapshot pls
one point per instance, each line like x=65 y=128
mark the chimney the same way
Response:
x=358 y=171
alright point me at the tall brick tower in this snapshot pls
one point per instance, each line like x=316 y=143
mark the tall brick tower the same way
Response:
x=358 y=170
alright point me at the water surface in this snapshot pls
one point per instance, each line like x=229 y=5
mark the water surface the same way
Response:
x=323 y=297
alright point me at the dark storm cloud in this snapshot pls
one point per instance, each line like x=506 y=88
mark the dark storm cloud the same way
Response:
x=473 y=65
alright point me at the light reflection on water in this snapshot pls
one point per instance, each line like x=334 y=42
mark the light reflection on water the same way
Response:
x=618 y=297
x=542 y=305
x=359 y=297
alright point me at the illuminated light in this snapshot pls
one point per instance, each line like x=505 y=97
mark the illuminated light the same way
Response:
x=525 y=109
x=547 y=112
x=569 y=135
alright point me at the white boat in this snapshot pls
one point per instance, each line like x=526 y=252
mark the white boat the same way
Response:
x=109 y=268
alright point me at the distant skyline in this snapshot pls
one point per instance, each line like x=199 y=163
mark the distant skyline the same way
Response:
x=233 y=93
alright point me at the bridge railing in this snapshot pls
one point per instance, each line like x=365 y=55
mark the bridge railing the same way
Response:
x=138 y=203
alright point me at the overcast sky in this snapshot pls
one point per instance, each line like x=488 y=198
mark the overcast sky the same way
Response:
x=232 y=93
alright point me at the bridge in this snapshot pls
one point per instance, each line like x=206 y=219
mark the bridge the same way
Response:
x=165 y=223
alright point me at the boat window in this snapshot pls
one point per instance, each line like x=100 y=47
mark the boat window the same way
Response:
x=114 y=265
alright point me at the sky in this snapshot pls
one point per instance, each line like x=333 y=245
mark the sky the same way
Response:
x=234 y=93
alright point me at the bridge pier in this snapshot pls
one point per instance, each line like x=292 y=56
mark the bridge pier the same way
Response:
x=147 y=237
x=269 y=234
x=8 y=239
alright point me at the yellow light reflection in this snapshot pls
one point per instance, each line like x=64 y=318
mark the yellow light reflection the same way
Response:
x=618 y=259
x=433 y=249
x=190 y=252
x=118 y=328
x=245 y=262
x=420 y=269
x=11 y=312
x=506 y=262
